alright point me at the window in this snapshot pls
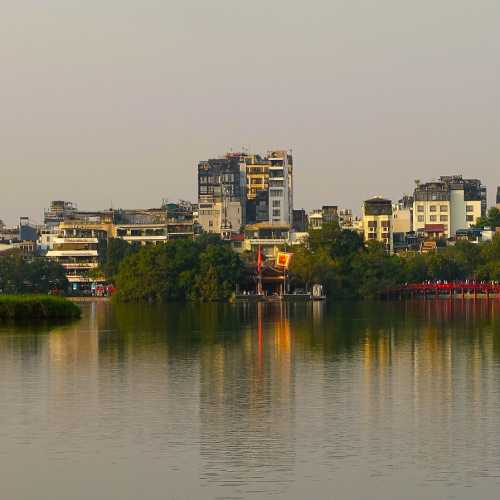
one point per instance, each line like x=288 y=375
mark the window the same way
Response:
x=420 y=218
x=372 y=223
x=470 y=218
x=276 y=213
x=443 y=208
x=372 y=236
x=443 y=218
x=469 y=208
x=420 y=208
x=433 y=218
x=276 y=203
x=433 y=208
x=276 y=193
x=385 y=223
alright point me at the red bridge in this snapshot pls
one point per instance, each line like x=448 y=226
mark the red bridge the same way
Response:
x=447 y=288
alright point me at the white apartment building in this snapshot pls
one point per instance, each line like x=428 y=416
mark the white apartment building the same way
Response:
x=280 y=187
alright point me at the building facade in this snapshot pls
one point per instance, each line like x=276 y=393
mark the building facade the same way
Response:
x=377 y=221
x=280 y=187
x=222 y=194
x=447 y=205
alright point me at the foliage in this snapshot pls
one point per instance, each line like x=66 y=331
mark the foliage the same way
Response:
x=206 y=269
x=37 y=276
x=340 y=260
x=114 y=253
x=25 y=307
x=374 y=271
x=492 y=219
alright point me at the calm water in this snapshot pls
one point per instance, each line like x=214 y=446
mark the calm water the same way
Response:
x=362 y=401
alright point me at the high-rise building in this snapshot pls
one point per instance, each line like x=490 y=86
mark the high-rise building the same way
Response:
x=377 y=221
x=448 y=204
x=280 y=186
x=222 y=194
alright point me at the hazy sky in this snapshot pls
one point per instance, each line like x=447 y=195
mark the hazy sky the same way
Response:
x=115 y=101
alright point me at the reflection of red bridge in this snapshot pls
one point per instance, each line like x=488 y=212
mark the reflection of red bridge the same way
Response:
x=450 y=288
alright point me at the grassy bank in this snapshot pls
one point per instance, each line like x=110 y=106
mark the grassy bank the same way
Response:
x=27 y=307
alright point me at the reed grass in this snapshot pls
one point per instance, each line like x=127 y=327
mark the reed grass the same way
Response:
x=28 y=307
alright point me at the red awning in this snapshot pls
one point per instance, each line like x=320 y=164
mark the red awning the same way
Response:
x=434 y=228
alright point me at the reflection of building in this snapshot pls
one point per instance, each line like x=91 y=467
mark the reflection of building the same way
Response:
x=451 y=203
x=377 y=221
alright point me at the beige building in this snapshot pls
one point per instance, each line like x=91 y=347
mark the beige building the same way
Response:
x=378 y=221
x=447 y=205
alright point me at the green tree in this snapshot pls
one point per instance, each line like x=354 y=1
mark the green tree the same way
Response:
x=491 y=219
x=375 y=272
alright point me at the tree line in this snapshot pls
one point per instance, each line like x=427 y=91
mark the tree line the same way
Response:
x=347 y=267
x=38 y=275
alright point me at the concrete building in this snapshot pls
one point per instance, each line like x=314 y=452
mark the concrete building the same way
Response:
x=300 y=220
x=377 y=221
x=402 y=214
x=451 y=203
x=222 y=194
x=345 y=218
x=270 y=238
x=81 y=235
x=325 y=214
x=59 y=211
x=498 y=197
x=78 y=255
x=280 y=187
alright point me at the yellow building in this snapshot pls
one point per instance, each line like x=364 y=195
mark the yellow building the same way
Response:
x=257 y=170
x=377 y=221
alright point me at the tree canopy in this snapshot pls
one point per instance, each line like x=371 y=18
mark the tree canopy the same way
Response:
x=37 y=276
x=206 y=269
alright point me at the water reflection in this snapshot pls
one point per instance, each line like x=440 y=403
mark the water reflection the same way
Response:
x=281 y=400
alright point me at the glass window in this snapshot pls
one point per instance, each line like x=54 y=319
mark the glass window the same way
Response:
x=420 y=218
x=276 y=203
x=420 y=208
x=276 y=213
x=443 y=218
x=433 y=208
x=433 y=218
x=470 y=218
x=443 y=208
x=469 y=208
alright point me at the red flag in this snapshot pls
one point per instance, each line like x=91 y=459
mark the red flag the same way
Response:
x=259 y=261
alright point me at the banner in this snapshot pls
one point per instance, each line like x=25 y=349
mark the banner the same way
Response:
x=283 y=259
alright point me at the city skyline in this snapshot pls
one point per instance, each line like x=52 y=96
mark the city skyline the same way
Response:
x=118 y=102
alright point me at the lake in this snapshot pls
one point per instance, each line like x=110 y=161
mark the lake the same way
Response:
x=286 y=401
